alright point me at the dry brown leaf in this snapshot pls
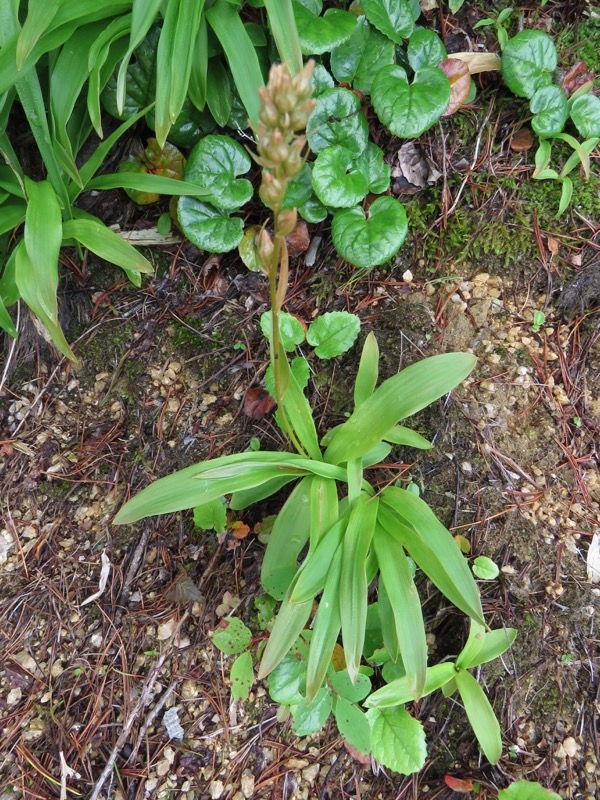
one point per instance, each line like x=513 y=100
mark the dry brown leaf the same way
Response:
x=552 y=245
x=521 y=140
x=239 y=529
x=479 y=62
x=576 y=77
x=298 y=241
x=258 y=403
x=458 y=74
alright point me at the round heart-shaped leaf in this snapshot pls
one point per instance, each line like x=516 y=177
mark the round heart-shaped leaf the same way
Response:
x=215 y=162
x=528 y=61
x=368 y=242
x=585 y=113
x=321 y=34
x=299 y=190
x=333 y=333
x=336 y=181
x=408 y=110
x=425 y=49
x=394 y=18
x=550 y=110
x=321 y=80
x=313 y=210
x=358 y=60
x=337 y=120
x=374 y=168
x=207 y=227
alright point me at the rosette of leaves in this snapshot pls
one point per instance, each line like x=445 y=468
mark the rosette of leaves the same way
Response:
x=215 y=162
x=167 y=161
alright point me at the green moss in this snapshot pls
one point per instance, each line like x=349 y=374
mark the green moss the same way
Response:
x=580 y=42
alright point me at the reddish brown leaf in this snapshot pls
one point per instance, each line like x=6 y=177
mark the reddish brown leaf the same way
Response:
x=458 y=784
x=575 y=77
x=338 y=659
x=239 y=529
x=298 y=240
x=459 y=76
x=356 y=754
x=521 y=140
x=258 y=403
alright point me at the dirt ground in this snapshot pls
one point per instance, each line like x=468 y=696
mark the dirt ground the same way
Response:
x=85 y=686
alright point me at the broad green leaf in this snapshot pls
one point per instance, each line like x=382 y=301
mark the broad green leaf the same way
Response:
x=366 y=242
x=248 y=497
x=218 y=91
x=360 y=58
x=283 y=28
x=207 y=227
x=214 y=163
x=189 y=127
x=143 y=14
x=333 y=333
x=352 y=692
x=324 y=508
x=186 y=489
x=137 y=87
x=397 y=740
x=241 y=676
x=313 y=575
x=585 y=113
x=234 y=638
x=549 y=107
x=528 y=61
x=407 y=438
x=300 y=370
x=374 y=168
x=398 y=397
x=321 y=80
x=410 y=109
x=11 y=216
x=313 y=210
x=492 y=645
x=338 y=120
x=288 y=536
x=433 y=548
x=40 y=14
x=368 y=371
x=481 y=715
x=310 y=718
x=289 y=624
x=353 y=580
x=527 y=790
x=325 y=631
x=241 y=56
x=485 y=568
x=211 y=516
x=398 y=692
x=96 y=237
x=353 y=725
x=321 y=34
x=299 y=190
x=291 y=329
x=425 y=49
x=406 y=608
x=394 y=18
x=337 y=181
x=286 y=682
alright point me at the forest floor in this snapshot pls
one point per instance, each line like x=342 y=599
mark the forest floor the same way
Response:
x=161 y=383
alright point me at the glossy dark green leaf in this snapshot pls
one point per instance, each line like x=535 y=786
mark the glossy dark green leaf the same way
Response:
x=528 y=61
x=549 y=107
x=333 y=333
x=374 y=168
x=140 y=81
x=425 y=49
x=359 y=59
x=321 y=80
x=299 y=190
x=368 y=241
x=313 y=210
x=336 y=180
x=338 y=120
x=397 y=740
x=585 y=113
x=189 y=127
x=310 y=718
x=394 y=18
x=409 y=109
x=207 y=227
x=215 y=162
x=320 y=34
x=353 y=725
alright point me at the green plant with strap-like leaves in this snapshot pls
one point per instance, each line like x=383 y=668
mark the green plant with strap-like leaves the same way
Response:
x=355 y=532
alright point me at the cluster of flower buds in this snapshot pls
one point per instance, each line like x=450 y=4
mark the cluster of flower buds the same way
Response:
x=285 y=106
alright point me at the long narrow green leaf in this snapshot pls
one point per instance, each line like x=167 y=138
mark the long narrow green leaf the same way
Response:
x=493 y=644
x=6 y=322
x=40 y=14
x=199 y=72
x=368 y=371
x=240 y=500
x=326 y=629
x=400 y=396
x=313 y=574
x=285 y=33
x=409 y=520
x=289 y=535
x=407 y=438
x=11 y=215
x=148 y=183
x=386 y=620
x=143 y=14
x=240 y=53
x=103 y=67
x=481 y=716
x=324 y=508
x=43 y=238
x=299 y=414
x=186 y=33
x=353 y=582
x=406 y=608
x=164 y=65
x=289 y=623
x=399 y=692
